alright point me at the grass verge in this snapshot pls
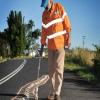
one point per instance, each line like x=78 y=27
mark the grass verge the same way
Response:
x=3 y=60
x=83 y=72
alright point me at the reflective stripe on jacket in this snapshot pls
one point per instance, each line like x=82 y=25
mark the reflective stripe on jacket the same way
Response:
x=55 y=27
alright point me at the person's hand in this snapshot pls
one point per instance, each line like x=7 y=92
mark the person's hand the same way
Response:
x=41 y=50
x=67 y=41
x=40 y=53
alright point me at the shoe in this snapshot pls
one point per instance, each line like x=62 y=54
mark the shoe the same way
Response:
x=57 y=97
x=51 y=97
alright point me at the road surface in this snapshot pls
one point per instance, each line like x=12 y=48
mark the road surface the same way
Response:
x=25 y=71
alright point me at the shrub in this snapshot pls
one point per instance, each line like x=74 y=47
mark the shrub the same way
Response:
x=81 y=56
x=97 y=61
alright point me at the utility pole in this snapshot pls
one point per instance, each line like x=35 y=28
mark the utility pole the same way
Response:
x=83 y=39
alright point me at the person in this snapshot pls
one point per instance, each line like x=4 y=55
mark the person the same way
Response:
x=56 y=30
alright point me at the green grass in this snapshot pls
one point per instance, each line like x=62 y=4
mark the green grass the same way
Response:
x=87 y=75
x=83 y=72
x=22 y=57
x=3 y=60
x=71 y=66
x=18 y=57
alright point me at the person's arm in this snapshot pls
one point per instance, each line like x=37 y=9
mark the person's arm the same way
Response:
x=43 y=38
x=44 y=34
x=67 y=27
x=67 y=36
x=41 y=50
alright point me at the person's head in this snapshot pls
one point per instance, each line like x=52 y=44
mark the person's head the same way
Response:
x=46 y=3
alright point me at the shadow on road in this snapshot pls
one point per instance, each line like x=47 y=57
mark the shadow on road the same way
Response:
x=71 y=77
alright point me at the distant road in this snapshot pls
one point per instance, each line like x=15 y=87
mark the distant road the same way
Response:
x=26 y=70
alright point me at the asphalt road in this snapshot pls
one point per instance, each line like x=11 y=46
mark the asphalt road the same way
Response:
x=74 y=88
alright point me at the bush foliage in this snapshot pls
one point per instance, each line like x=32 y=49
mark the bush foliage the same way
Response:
x=80 y=56
x=97 y=61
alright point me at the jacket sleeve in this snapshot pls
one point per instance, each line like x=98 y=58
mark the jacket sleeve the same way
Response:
x=44 y=34
x=66 y=25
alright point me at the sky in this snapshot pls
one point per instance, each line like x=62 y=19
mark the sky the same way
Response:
x=84 y=16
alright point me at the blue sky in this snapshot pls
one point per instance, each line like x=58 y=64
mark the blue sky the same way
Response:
x=84 y=16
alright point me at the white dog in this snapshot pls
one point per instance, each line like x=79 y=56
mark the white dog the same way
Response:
x=30 y=90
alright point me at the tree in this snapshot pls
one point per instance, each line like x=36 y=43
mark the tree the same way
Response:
x=31 y=36
x=28 y=34
x=16 y=33
x=31 y=24
x=97 y=57
x=4 y=46
x=36 y=33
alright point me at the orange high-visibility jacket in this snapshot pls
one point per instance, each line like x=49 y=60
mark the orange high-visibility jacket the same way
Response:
x=55 y=27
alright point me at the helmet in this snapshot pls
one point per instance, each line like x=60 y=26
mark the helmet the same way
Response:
x=44 y=3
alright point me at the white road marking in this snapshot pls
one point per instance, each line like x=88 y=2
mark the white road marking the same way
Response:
x=9 y=76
